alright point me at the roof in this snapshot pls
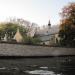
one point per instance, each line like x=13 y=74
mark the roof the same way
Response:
x=48 y=31
x=18 y=37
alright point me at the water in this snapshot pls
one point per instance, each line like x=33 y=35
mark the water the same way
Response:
x=38 y=66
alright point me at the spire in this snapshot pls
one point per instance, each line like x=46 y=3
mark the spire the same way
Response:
x=49 y=24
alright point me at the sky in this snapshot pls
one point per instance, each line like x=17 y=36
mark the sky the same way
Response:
x=37 y=11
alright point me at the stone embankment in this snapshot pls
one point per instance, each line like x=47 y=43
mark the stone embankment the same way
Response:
x=28 y=50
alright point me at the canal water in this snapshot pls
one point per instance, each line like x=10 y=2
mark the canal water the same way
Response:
x=64 y=65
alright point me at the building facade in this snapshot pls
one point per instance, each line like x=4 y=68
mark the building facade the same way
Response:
x=49 y=34
x=18 y=37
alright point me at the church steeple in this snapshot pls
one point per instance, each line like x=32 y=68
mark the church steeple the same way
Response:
x=49 y=24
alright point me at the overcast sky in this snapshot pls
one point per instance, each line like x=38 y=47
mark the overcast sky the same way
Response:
x=38 y=11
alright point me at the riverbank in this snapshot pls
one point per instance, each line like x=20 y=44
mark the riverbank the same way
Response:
x=30 y=50
x=22 y=66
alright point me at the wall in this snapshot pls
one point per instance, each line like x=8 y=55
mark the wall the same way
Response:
x=28 y=50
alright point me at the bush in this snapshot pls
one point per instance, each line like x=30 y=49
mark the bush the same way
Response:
x=30 y=40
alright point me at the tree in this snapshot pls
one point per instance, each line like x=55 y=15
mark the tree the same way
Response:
x=67 y=25
x=24 y=26
x=31 y=40
x=10 y=29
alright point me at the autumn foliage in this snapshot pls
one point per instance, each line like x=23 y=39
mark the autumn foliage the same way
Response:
x=67 y=25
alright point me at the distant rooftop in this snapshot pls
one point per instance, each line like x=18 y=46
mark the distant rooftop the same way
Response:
x=47 y=31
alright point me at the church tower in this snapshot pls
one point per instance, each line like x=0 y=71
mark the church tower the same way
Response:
x=49 y=24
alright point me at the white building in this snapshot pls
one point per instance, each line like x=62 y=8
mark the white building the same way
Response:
x=18 y=37
x=48 y=34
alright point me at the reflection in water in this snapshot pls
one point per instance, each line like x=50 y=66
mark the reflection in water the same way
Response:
x=41 y=72
x=44 y=67
x=38 y=66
